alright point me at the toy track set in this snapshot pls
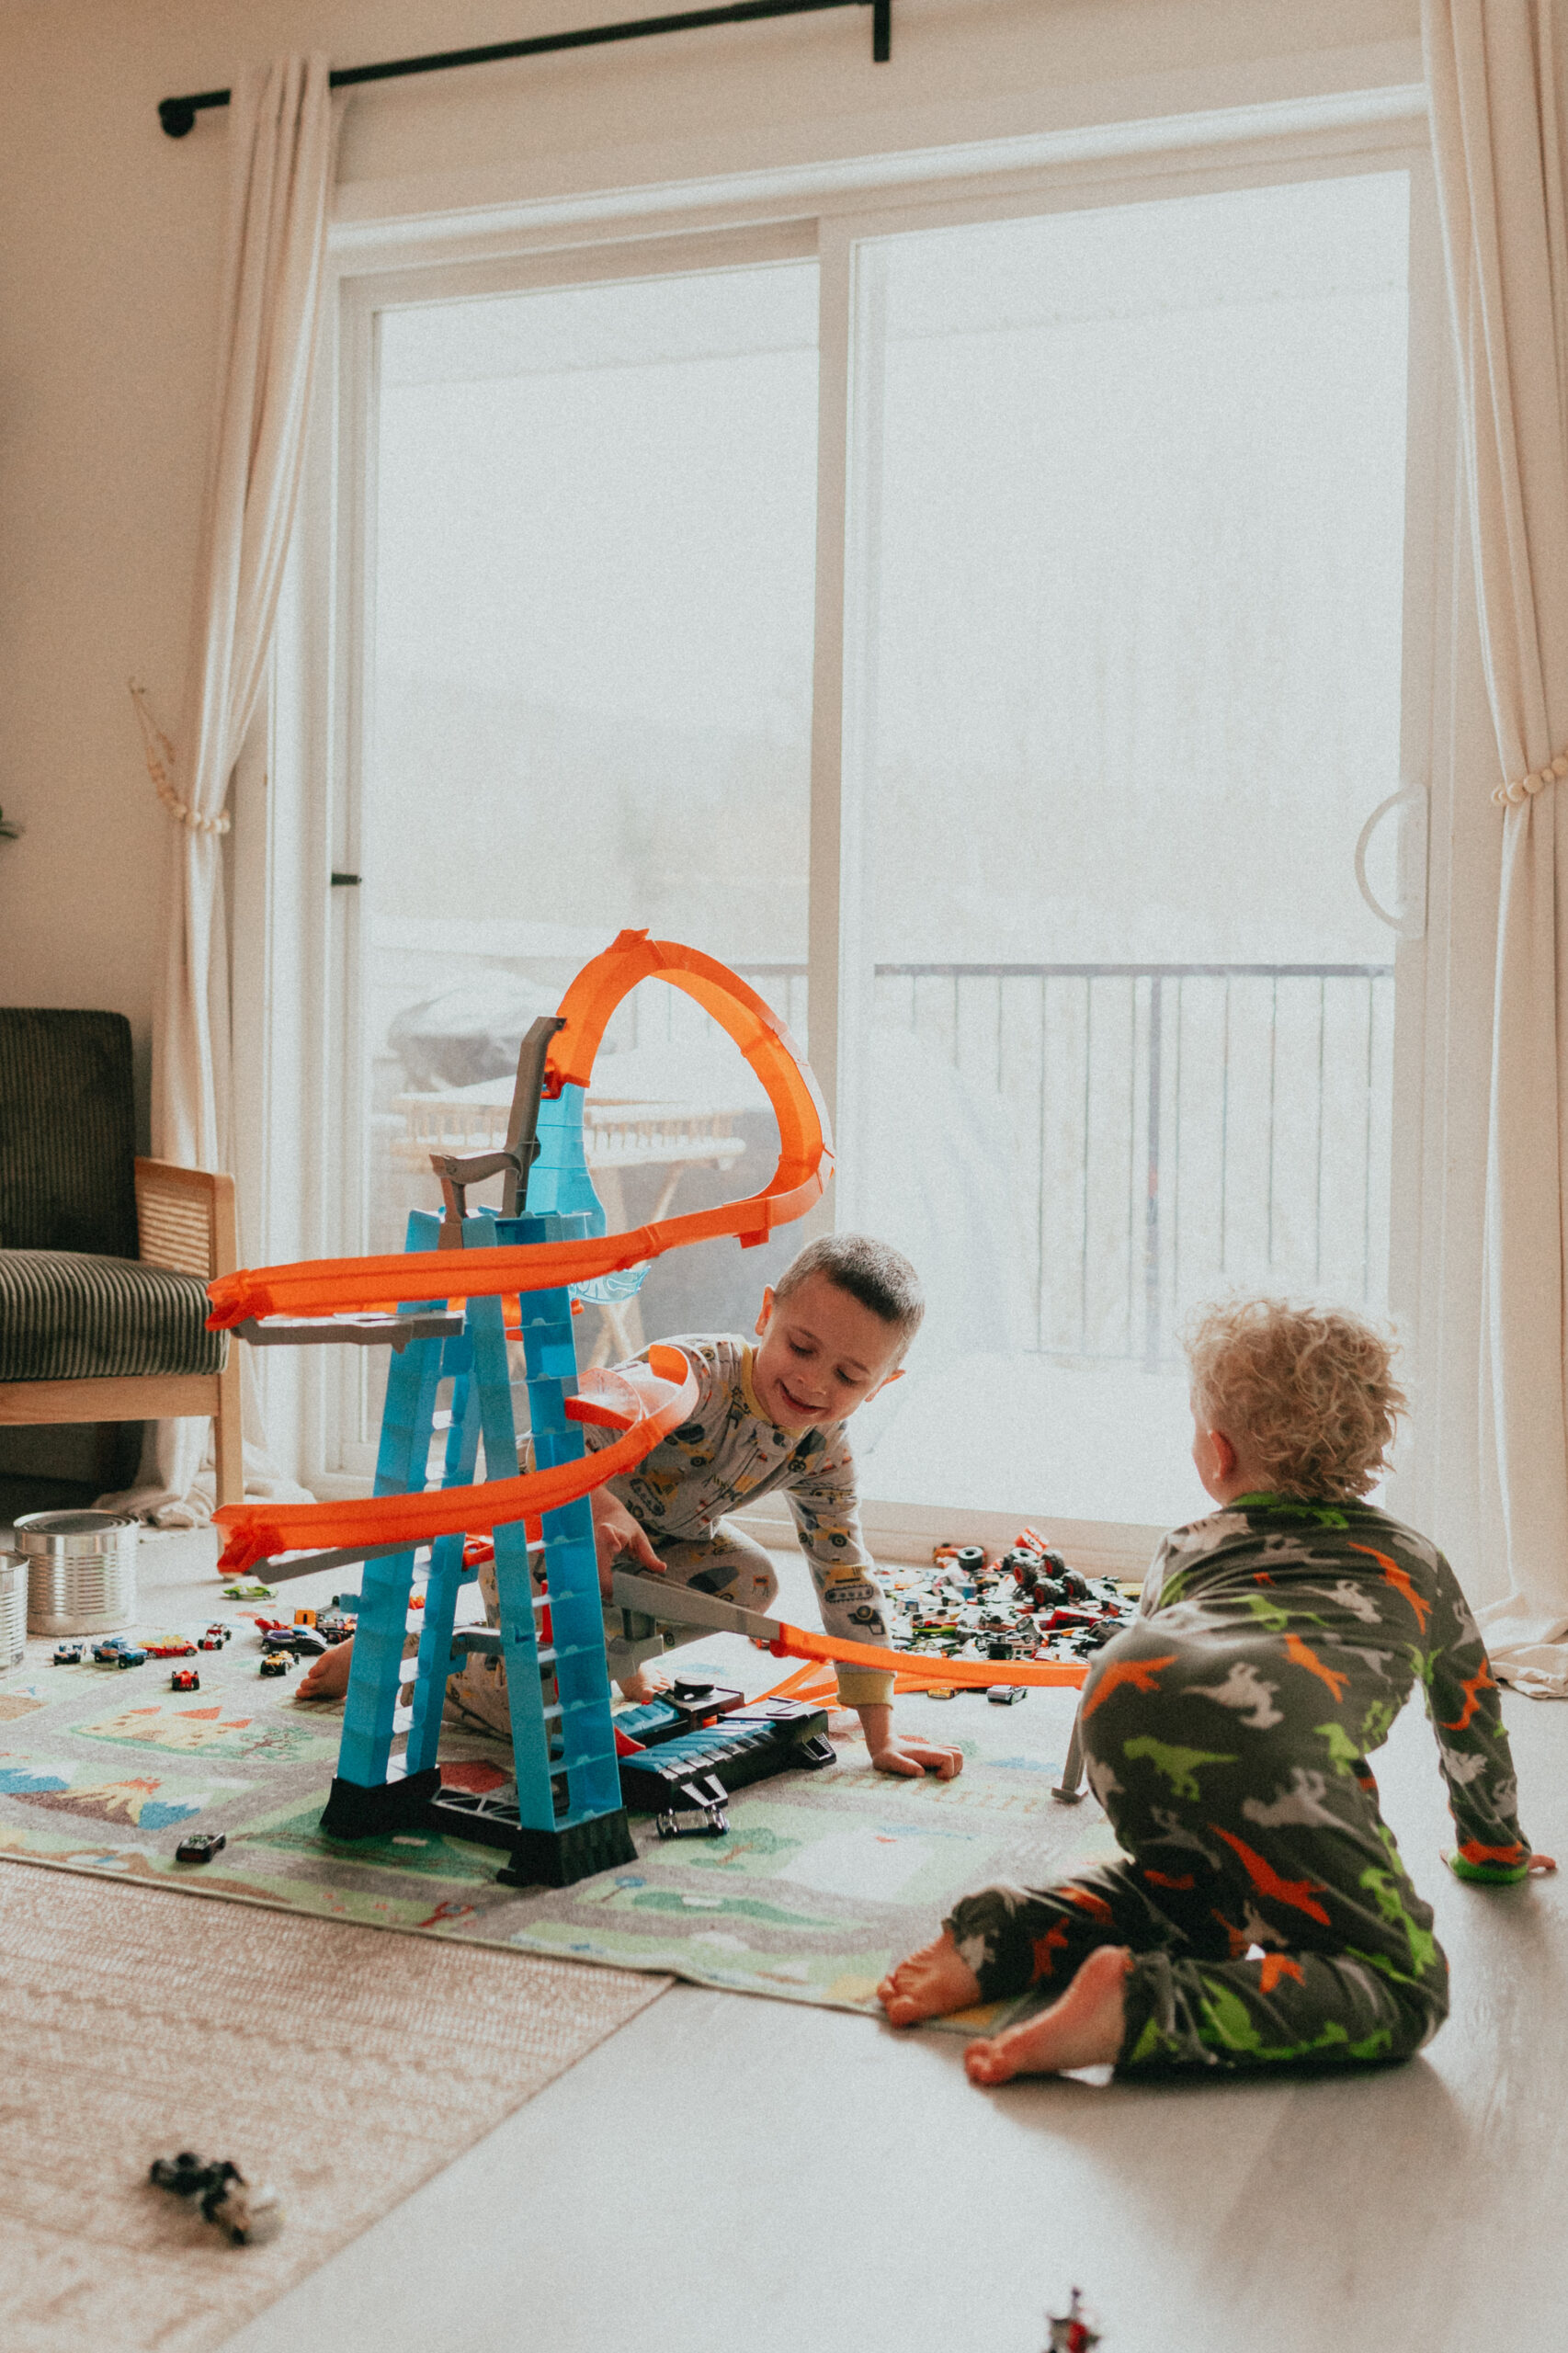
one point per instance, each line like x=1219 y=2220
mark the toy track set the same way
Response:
x=447 y=1308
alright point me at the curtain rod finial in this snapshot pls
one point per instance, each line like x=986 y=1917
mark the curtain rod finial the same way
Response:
x=177 y=116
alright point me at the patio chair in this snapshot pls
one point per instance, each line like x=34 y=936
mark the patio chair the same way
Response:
x=105 y=1258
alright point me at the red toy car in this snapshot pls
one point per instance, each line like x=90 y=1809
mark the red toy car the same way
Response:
x=185 y=1679
x=173 y=1646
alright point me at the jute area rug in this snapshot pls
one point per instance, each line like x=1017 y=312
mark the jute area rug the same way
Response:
x=342 y=2067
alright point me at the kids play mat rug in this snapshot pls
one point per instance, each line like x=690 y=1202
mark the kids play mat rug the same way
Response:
x=823 y=1879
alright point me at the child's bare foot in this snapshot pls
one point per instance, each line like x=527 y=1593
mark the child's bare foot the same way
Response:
x=1084 y=2028
x=328 y=1677
x=929 y=1985
x=640 y=1687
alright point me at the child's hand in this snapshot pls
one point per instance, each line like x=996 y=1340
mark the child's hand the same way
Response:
x=615 y=1533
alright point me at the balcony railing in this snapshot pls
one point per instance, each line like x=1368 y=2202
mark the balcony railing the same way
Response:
x=1174 y=1130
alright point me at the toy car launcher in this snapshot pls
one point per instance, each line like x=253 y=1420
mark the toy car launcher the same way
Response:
x=522 y=1272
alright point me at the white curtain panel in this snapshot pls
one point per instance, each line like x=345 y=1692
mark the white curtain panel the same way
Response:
x=280 y=133
x=1496 y=73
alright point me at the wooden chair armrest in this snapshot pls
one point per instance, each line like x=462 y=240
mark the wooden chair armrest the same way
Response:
x=185 y=1220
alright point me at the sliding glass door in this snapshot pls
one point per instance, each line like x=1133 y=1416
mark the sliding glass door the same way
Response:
x=1124 y=674
x=589 y=586
x=986 y=627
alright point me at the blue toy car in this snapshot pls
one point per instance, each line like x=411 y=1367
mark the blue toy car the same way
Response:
x=119 y=1650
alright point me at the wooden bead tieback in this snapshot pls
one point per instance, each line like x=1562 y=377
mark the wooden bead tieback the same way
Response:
x=1523 y=787
x=160 y=756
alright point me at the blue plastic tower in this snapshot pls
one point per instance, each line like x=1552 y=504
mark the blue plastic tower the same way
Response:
x=568 y=1819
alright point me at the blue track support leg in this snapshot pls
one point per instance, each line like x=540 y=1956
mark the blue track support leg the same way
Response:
x=447 y=1572
x=588 y=1830
x=375 y=1678
x=519 y=1621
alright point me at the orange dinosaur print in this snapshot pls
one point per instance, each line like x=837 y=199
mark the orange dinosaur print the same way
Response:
x=1297 y=1650
x=1142 y=1673
x=1396 y=1576
x=1239 y=1939
x=1045 y=1948
x=1273 y=1967
x=1473 y=1687
x=1261 y=1577
x=1087 y=1901
x=1475 y=1852
x=1166 y=1879
x=1297 y=1892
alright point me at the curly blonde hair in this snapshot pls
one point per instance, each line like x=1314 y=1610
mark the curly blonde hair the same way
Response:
x=1305 y=1394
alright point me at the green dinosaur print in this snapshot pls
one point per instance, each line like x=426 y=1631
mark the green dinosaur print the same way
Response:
x=1268 y=1613
x=1377 y=1723
x=1180 y=1767
x=1343 y=1753
x=1384 y=1890
x=1151 y=2044
x=1232 y=2028
x=1290 y=1507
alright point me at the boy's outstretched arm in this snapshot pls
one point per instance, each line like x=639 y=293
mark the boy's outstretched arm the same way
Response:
x=1465 y=1708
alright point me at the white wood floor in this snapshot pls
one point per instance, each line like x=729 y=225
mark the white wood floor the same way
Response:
x=736 y=2175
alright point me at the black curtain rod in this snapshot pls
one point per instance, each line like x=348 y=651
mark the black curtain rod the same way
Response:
x=178 y=115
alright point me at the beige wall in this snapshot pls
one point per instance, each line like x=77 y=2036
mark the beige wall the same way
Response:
x=109 y=244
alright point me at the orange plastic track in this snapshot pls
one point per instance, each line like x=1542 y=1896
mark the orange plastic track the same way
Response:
x=337 y=1285
x=816 y=1686
x=644 y=1402
x=972 y=1674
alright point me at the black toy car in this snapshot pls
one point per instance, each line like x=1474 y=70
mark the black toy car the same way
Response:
x=70 y=1654
x=200 y=1847
x=222 y=2195
x=303 y=1641
x=278 y=1662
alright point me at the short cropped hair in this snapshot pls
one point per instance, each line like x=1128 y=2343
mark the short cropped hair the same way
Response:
x=1306 y=1395
x=876 y=1274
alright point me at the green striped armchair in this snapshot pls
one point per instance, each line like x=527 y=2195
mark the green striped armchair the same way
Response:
x=105 y=1258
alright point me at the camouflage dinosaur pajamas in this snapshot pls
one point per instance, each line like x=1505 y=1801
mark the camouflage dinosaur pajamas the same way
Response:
x=1270 y=1916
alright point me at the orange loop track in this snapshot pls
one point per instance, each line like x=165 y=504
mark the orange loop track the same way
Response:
x=339 y=1286
x=644 y=1402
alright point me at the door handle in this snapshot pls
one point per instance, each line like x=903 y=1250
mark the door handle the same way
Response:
x=1410 y=922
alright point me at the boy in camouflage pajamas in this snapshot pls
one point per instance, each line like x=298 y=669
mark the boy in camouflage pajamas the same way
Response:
x=1264 y=1916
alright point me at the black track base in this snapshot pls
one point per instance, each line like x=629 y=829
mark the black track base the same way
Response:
x=561 y=1857
x=352 y=1811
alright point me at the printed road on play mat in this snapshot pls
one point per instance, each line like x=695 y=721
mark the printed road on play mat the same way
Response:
x=823 y=1881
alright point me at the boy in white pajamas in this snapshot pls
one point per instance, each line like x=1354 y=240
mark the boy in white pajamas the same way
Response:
x=769 y=1420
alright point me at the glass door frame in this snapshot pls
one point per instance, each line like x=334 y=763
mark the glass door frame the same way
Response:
x=303 y=821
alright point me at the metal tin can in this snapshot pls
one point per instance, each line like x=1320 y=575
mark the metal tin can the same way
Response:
x=80 y=1571
x=13 y=1609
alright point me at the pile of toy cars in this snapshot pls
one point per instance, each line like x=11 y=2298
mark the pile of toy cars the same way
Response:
x=1026 y=1605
